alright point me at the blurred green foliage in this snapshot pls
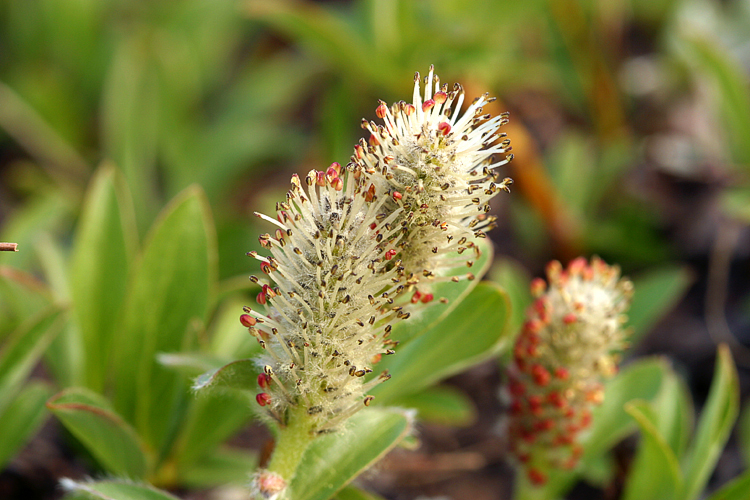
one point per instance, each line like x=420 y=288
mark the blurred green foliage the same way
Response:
x=617 y=106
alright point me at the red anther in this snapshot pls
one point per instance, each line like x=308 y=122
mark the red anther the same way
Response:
x=535 y=401
x=596 y=396
x=397 y=195
x=247 y=320
x=516 y=408
x=544 y=425
x=415 y=298
x=523 y=457
x=264 y=380
x=376 y=359
x=444 y=127
x=517 y=388
x=370 y=194
x=270 y=293
x=263 y=399
x=409 y=109
x=536 y=477
x=570 y=413
x=561 y=373
x=359 y=151
x=320 y=179
x=266 y=268
x=373 y=225
x=337 y=184
x=264 y=241
x=533 y=338
x=374 y=140
x=556 y=399
x=570 y=463
x=577 y=450
x=381 y=110
x=577 y=265
x=585 y=418
x=532 y=351
x=390 y=254
x=540 y=374
x=331 y=174
x=527 y=436
x=337 y=167
x=440 y=97
x=540 y=306
x=538 y=286
x=427 y=105
x=554 y=268
x=570 y=318
x=261 y=298
x=565 y=439
x=427 y=298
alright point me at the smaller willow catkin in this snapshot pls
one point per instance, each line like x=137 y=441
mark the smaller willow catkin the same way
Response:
x=567 y=347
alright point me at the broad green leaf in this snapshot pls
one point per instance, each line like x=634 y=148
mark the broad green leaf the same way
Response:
x=169 y=291
x=241 y=374
x=23 y=349
x=211 y=419
x=440 y=405
x=23 y=295
x=474 y=331
x=220 y=467
x=656 y=292
x=674 y=406
x=22 y=419
x=713 y=430
x=111 y=440
x=333 y=461
x=228 y=338
x=104 y=245
x=744 y=432
x=353 y=493
x=734 y=490
x=190 y=364
x=655 y=473
x=447 y=296
x=610 y=423
x=514 y=278
x=112 y=490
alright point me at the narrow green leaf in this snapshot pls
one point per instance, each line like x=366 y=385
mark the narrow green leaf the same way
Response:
x=353 y=493
x=744 y=432
x=333 y=461
x=674 y=406
x=23 y=350
x=221 y=467
x=104 y=245
x=23 y=295
x=655 y=473
x=656 y=293
x=713 y=430
x=169 y=291
x=514 y=278
x=734 y=490
x=440 y=405
x=91 y=419
x=211 y=419
x=474 y=331
x=22 y=419
x=447 y=296
x=113 y=490
x=241 y=374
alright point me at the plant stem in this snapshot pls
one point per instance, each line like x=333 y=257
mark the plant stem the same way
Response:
x=291 y=444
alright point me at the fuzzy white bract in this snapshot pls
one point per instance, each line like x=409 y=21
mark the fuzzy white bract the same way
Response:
x=328 y=312
x=436 y=164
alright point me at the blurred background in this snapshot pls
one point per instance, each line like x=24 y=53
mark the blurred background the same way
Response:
x=630 y=125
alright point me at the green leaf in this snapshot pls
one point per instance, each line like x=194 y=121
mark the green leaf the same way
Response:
x=610 y=423
x=221 y=467
x=103 y=249
x=656 y=293
x=211 y=419
x=674 y=406
x=440 y=405
x=354 y=493
x=169 y=291
x=241 y=374
x=22 y=419
x=23 y=295
x=334 y=460
x=655 y=473
x=734 y=490
x=514 y=278
x=713 y=430
x=22 y=351
x=735 y=202
x=744 y=432
x=91 y=419
x=114 y=490
x=448 y=295
x=474 y=331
